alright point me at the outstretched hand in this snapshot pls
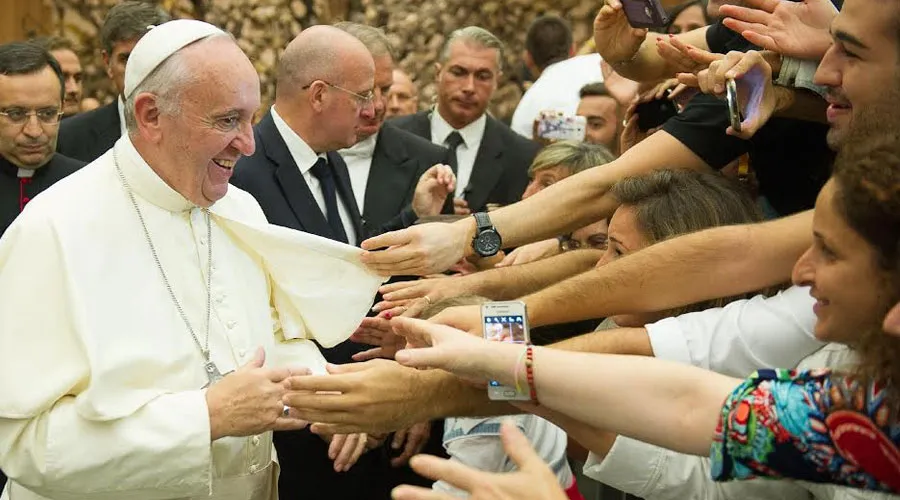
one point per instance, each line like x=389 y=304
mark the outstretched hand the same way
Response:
x=532 y=481
x=797 y=29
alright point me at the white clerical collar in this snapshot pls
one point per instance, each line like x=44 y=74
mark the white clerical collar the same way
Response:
x=303 y=155
x=120 y=105
x=471 y=133
x=144 y=181
x=362 y=149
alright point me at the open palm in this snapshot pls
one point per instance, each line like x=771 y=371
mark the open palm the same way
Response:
x=797 y=29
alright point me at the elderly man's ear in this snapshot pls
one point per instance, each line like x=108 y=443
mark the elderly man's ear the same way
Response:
x=147 y=115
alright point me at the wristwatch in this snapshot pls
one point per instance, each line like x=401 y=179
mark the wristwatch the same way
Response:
x=487 y=241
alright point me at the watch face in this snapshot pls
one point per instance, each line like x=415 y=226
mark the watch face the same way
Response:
x=488 y=243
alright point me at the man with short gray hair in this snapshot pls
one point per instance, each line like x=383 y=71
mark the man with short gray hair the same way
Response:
x=89 y=135
x=146 y=307
x=489 y=159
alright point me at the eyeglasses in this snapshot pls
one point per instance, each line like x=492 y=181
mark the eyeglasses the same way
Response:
x=361 y=99
x=18 y=116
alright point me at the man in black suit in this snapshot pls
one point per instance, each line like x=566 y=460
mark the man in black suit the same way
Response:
x=31 y=105
x=491 y=161
x=324 y=94
x=387 y=163
x=88 y=135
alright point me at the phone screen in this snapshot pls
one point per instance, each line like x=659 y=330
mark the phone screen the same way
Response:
x=505 y=322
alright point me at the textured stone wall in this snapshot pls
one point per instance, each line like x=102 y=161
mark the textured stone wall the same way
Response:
x=263 y=27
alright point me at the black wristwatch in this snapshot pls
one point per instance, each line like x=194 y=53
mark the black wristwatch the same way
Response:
x=487 y=241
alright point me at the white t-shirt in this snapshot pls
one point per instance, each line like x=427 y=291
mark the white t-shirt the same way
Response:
x=476 y=442
x=557 y=89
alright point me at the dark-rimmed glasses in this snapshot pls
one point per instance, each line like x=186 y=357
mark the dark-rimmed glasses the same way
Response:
x=19 y=116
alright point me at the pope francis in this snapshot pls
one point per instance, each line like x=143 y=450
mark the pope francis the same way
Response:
x=149 y=316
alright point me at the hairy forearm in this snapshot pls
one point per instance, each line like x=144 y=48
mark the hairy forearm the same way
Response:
x=718 y=262
x=508 y=283
x=800 y=104
x=632 y=341
x=447 y=395
x=584 y=198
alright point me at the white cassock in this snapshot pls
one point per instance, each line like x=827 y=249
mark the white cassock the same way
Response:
x=100 y=381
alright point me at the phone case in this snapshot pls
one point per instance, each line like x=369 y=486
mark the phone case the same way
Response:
x=645 y=13
x=734 y=107
x=556 y=126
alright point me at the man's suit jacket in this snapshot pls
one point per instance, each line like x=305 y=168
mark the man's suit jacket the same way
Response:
x=500 y=173
x=275 y=180
x=398 y=161
x=86 y=136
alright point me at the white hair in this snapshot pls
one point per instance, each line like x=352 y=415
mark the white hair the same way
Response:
x=167 y=81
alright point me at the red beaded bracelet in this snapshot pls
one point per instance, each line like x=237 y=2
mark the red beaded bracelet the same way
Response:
x=529 y=373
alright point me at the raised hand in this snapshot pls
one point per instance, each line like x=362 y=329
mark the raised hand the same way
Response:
x=431 y=290
x=798 y=29
x=683 y=57
x=250 y=401
x=752 y=76
x=614 y=38
x=432 y=190
x=377 y=331
x=532 y=481
x=431 y=345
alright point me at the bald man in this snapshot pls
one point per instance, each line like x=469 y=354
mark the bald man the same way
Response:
x=324 y=92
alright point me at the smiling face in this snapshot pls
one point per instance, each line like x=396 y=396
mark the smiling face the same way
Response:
x=466 y=82
x=841 y=269
x=602 y=115
x=862 y=67
x=213 y=126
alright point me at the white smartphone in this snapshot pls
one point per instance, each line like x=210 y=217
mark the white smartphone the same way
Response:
x=506 y=322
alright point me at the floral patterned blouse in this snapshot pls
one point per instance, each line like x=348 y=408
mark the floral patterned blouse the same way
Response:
x=814 y=426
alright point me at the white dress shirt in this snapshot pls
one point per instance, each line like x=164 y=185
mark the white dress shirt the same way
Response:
x=466 y=153
x=744 y=335
x=101 y=380
x=306 y=158
x=557 y=89
x=359 y=162
x=655 y=473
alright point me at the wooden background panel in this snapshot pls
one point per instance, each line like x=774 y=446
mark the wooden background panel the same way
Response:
x=21 y=19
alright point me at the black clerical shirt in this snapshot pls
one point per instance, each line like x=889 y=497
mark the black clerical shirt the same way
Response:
x=16 y=191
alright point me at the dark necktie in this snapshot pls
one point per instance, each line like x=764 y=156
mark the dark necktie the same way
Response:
x=453 y=141
x=322 y=172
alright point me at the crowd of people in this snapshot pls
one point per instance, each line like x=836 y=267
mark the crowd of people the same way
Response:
x=200 y=298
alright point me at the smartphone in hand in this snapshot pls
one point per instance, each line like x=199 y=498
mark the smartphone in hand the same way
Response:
x=645 y=13
x=652 y=114
x=734 y=106
x=557 y=126
x=506 y=322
